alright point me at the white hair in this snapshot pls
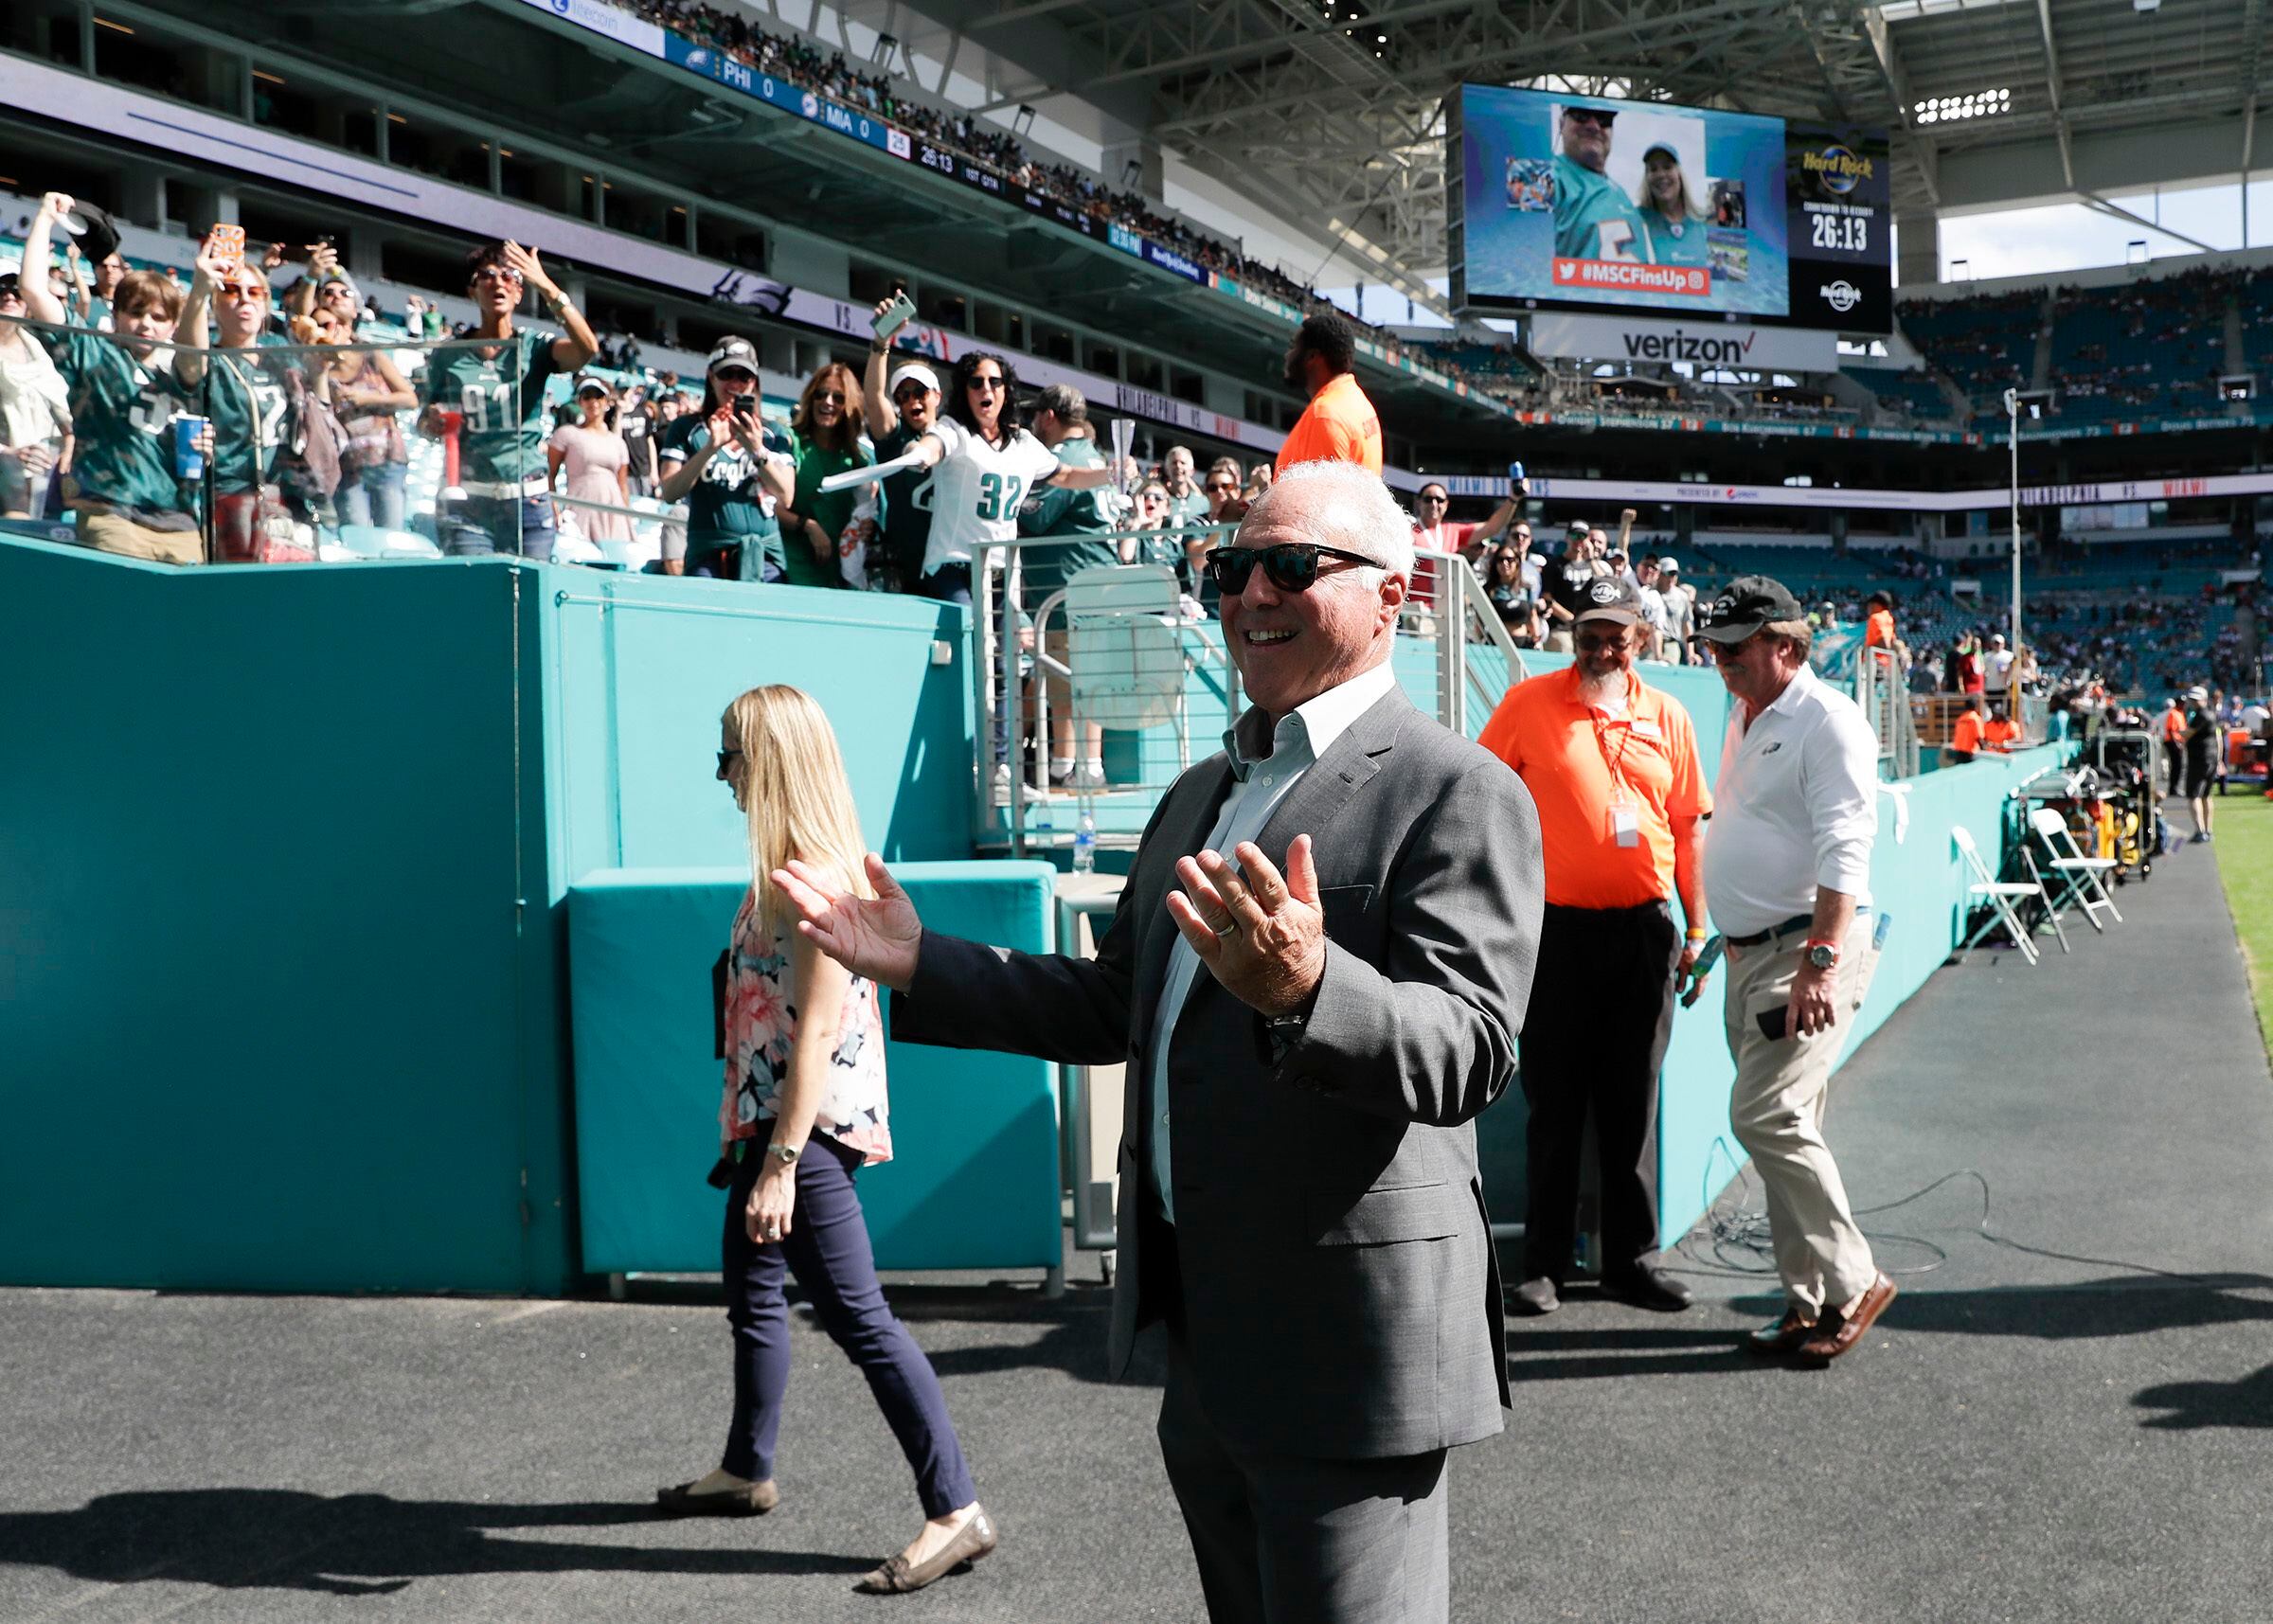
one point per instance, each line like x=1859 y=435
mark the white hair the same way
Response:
x=1346 y=508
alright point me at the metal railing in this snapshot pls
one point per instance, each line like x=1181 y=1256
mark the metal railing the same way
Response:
x=1121 y=666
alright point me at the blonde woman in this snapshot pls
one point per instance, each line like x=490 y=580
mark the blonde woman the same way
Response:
x=1675 y=224
x=805 y=1109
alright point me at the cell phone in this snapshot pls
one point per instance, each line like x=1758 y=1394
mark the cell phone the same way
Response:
x=901 y=309
x=1772 y=1022
x=743 y=407
x=227 y=243
x=1514 y=474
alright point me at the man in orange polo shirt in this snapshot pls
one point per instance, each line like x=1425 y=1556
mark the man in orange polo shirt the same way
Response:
x=1612 y=765
x=1339 y=424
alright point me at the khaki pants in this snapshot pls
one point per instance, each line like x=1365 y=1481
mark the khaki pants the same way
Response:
x=110 y=533
x=1558 y=639
x=1776 y=1109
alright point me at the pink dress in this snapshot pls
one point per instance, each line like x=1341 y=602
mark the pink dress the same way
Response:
x=593 y=459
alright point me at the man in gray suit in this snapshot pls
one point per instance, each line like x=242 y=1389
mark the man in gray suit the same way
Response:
x=1309 y=1031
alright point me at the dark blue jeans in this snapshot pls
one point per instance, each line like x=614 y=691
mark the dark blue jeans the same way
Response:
x=827 y=1248
x=481 y=525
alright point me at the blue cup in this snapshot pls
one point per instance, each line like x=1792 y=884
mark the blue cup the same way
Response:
x=188 y=462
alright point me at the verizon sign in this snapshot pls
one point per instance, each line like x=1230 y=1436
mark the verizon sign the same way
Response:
x=1699 y=344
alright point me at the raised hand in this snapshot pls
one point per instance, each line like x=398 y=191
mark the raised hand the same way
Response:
x=878 y=940
x=55 y=204
x=1259 y=934
x=525 y=260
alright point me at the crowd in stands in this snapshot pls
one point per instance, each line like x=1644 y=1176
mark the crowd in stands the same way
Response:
x=798 y=60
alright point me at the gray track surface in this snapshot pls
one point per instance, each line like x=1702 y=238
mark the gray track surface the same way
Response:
x=2024 y=1436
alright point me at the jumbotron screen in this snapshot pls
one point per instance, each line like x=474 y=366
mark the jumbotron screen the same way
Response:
x=1588 y=202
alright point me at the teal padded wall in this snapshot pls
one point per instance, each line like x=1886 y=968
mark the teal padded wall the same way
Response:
x=283 y=862
x=974 y=1178
x=271 y=1014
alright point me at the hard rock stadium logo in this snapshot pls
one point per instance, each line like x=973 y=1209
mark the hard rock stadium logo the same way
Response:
x=1840 y=168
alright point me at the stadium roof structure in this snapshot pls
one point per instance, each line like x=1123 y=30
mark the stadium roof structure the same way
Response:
x=1331 y=111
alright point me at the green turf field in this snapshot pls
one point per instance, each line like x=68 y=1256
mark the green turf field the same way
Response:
x=2245 y=842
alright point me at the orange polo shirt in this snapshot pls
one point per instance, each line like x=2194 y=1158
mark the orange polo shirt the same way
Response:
x=1966 y=735
x=1338 y=425
x=1879 y=634
x=1999 y=735
x=1578 y=765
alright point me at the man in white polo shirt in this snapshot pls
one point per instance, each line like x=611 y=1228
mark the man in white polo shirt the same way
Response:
x=1788 y=871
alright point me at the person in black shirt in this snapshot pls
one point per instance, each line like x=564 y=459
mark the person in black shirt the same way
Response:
x=2205 y=742
x=1517 y=609
x=901 y=401
x=1562 y=588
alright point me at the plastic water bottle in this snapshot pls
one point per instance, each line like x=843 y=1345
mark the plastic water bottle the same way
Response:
x=1084 y=845
x=1046 y=833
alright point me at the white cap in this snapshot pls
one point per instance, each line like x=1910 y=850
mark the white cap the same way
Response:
x=915 y=369
x=1666 y=564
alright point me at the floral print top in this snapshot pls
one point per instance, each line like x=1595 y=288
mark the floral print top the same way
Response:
x=761 y=1027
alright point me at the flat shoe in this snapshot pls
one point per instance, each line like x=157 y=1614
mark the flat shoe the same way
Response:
x=1537 y=1296
x=1647 y=1288
x=753 y=1501
x=899 y=1577
x=1783 y=1337
x=1837 y=1333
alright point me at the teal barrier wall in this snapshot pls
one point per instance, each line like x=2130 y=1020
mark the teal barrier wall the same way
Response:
x=283 y=861
x=272 y=1015
x=974 y=1181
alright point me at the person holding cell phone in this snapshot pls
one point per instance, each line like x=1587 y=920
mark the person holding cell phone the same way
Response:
x=717 y=461
x=1612 y=765
x=1789 y=872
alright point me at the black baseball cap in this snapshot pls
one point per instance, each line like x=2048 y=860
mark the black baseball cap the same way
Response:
x=1609 y=598
x=1743 y=606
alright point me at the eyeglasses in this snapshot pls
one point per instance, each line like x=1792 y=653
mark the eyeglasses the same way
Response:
x=1290 y=567
x=728 y=757
x=492 y=273
x=1589 y=116
x=1728 y=654
x=735 y=372
x=245 y=290
x=1218 y=486
x=907 y=393
x=1439 y=500
x=1587 y=642
x=989 y=385
x=834 y=397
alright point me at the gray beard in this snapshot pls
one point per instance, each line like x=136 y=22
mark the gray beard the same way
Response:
x=1603 y=692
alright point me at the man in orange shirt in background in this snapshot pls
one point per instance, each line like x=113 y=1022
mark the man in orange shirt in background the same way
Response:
x=1339 y=424
x=1612 y=765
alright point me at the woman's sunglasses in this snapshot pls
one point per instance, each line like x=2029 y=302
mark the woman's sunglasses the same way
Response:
x=1290 y=567
x=727 y=757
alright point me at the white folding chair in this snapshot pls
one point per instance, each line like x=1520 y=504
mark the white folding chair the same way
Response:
x=1999 y=894
x=2085 y=884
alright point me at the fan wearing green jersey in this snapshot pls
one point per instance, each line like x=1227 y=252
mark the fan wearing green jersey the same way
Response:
x=734 y=484
x=245 y=384
x=1594 y=220
x=1675 y=223
x=491 y=396
x=124 y=493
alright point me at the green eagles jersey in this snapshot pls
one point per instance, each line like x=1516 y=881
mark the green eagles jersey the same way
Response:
x=501 y=395
x=817 y=462
x=1054 y=510
x=729 y=504
x=1593 y=219
x=1675 y=242
x=122 y=412
x=244 y=394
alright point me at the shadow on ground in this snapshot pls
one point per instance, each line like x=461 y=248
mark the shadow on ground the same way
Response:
x=347 y=1545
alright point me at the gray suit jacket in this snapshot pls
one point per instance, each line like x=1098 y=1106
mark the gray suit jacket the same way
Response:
x=1337 y=1287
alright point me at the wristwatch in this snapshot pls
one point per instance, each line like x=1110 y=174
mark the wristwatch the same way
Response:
x=785 y=1154
x=1822 y=955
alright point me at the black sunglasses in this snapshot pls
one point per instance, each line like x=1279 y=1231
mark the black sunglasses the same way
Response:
x=726 y=756
x=1290 y=567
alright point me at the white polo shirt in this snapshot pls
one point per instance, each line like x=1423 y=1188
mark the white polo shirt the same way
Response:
x=1796 y=808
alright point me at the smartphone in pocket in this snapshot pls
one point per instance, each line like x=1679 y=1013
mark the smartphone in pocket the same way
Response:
x=1773 y=1022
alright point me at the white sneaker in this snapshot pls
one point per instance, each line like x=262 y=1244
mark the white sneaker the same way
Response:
x=1086 y=776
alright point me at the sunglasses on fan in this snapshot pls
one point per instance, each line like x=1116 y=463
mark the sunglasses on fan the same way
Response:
x=1290 y=567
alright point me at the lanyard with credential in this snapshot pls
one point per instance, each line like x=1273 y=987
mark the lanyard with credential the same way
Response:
x=1625 y=821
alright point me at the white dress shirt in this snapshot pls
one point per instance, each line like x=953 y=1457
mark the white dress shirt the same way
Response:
x=1796 y=808
x=1258 y=783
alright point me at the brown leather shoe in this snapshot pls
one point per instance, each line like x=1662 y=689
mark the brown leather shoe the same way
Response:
x=1784 y=1336
x=898 y=1576
x=1837 y=1333
x=753 y=1501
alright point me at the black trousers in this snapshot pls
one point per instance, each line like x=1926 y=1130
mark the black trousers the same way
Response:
x=1593 y=1040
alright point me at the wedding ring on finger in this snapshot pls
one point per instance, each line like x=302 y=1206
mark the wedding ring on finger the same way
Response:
x=1229 y=928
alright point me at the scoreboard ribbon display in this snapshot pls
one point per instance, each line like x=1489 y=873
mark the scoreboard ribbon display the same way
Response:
x=1572 y=201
